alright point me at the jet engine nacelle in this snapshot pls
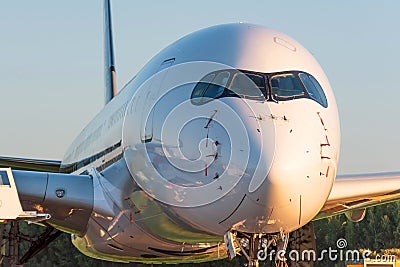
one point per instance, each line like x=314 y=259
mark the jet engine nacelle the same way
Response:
x=67 y=198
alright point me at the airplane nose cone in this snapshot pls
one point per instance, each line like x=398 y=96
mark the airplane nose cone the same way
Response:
x=293 y=175
x=301 y=173
x=262 y=145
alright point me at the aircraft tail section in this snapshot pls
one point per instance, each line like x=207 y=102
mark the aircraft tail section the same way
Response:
x=110 y=81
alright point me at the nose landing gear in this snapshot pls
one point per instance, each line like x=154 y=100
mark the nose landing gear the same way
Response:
x=273 y=247
x=257 y=247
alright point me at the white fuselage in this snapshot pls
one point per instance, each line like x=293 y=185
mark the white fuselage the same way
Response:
x=175 y=172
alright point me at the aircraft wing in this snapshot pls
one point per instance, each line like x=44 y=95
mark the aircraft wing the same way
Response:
x=352 y=193
x=30 y=164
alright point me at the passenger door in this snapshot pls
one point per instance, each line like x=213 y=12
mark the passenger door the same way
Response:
x=147 y=120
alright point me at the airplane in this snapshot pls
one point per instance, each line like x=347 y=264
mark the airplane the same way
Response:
x=226 y=142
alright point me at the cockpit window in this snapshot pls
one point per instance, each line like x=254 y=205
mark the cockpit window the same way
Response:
x=202 y=86
x=286 y=86
x=313 y=88
x=282 y=86
x=209 y=88
x=217 y=86
x=248 y=85
x=229 y=83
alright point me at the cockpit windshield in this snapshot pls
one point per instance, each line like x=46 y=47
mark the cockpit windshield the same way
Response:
x=286 y=86
x=275 y=87
x=313 y=88
x=229 y=83
x=248 y=85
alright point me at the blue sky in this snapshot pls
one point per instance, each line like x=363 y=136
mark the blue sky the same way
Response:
x=51 y=64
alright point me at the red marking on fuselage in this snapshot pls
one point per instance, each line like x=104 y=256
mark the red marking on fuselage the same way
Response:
x=322 y=121
x=323 y=125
